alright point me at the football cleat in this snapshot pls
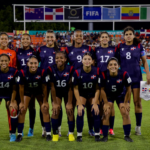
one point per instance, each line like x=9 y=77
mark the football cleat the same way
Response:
x=138 y=130
x=30 y=133
x=55 y=137
x=12 y=137
x=104 y=139
x=91 y=133
x=128 y=139
x=111 y=132
x=19 y=138
x=79 y=138
x=71 y=137
x=101 y=132
x=48 y=138
x=97 y=138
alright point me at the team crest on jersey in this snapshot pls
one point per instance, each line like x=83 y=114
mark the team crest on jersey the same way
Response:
x=30 y=53
x=10 y=77
x=84 y=51
x=38 y=77
x=133 y=48
x=66 y=74
x=119 y=80
x=9 y=54
x=53 y=52
x=110 y=52
x=94 y=76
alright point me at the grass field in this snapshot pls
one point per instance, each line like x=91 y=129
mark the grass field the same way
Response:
x=116 y=142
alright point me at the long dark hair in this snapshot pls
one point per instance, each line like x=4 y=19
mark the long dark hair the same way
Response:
x=77 y=30
x=136 y=41
x=55 y=44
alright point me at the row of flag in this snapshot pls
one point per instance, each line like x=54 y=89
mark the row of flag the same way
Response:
x=124 y=13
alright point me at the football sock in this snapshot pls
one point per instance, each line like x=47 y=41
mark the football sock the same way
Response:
x=127 y=129
x=41 y=118
x=60 y=117
x=48 y=127
x=111 y=122
x=71 y=126
x=105 y=130
x=20 y=128
x=14 y=122
x=138 y=119
x=9 y=120
x=54 y=125
x=32 y=114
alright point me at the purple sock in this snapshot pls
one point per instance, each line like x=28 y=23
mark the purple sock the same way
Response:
x=20 y=127
x=80 y=122
x=32 y=114
x=138 y=119
x=14 y=122
x=71 y=126
x=47 y=126
x=54 y=125
x=111 y=122
x=105 y=130
x=127 y=129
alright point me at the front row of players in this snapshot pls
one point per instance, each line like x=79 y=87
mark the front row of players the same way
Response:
x=87 y=83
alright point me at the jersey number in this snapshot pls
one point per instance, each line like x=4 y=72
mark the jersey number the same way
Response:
x=50 y=59
x=2 y=85
x=87 y=85
x=23 y=62
x=61 y=83
x=102 y=58
x=34 y=84
x=128 y=55
x=79 y=58
x=114 y=88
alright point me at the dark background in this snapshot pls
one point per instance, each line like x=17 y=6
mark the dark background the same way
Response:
x=84 y=26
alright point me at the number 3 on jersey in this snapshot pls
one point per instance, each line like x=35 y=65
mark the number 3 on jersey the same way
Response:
x=50 y=59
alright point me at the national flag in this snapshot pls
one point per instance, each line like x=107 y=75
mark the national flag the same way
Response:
x=38 y=77
x=54 y=14
x=94 y=76
x=143 y=89
x=9 y=54
x=66 y=74
x=84 y=51
x=133 y=48
x=10 y=77
x=29 y=10
x=145 y=13
x=128 y=13
x=145 y=32
x=110 y=51
x=119 y=80
x=30 y=53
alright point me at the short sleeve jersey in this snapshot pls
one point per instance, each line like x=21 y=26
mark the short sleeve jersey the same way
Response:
x=86 y=81
x=114 y=86
x=23 y=57
x=7 y=80
x=75 y=55
x=129 y=58
x=102 y=55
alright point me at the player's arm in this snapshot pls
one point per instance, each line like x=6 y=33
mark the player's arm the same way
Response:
x=103 y=95
x=44 y=88
x=13 y=103
x=128 y=94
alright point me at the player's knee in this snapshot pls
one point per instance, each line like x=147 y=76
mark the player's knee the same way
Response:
x=138 y=104
x=13 y=112
x=45 y=110
x=124 y=113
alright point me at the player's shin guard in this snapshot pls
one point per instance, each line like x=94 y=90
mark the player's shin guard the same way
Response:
x=111 y=122
x=41 y=118
x=20 y=128
x=138 y=119
x=54 y=125
x=32 y=114
x=48 y=128
x=127 y=129
x=105 y=130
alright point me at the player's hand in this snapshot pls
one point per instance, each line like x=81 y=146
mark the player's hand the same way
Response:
x=96 y=109
x=127 y=107
x=69 y=109
x=55 y=109
x=106 y=108
x=80 y=108
x=21 y=107
x=14 y=105
x=148 y=78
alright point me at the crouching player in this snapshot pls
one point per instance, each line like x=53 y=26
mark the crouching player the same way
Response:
x=8 y=91
x=86 y=90
x=115 y=85
x=60 y=76
x=32 y=83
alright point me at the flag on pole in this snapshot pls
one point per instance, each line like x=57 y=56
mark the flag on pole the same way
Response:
x=128 y=13
x=145 y=13
x=53 y=14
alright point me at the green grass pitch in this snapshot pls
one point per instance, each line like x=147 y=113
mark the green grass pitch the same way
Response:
x=116 y=142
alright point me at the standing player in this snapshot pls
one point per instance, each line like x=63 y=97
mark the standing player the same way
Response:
x=4 y=40
x=46 y=55
x=23 y=55
x=32 y=83
x=60 y=78
x=103 y=53
x=8 y=91
x=86 y=89
x=129 y=55
x=75 y=54
x=116 y=85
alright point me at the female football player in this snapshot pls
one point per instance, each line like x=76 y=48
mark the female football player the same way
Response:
x=74 y=55
x=115 y=84
x=102 y=54
x=8 y=92
x=60 y=78
x=85 y=81
x=46 y=55
x=23 y=55
x=32 y=83
x=129 y=55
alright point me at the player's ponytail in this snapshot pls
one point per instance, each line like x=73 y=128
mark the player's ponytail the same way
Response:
x=55 y=44
x=136 y=41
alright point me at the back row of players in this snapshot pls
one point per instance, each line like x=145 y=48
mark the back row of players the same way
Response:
x=93 y=87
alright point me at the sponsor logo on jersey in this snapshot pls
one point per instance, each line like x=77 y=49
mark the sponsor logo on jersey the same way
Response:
x=119 y=80
x=84 y=51
x=38 y=77
x=133 y=48
x=66 y=74
x=110 y=52
x=10 y=77
x=30 y=53
x=94 y=76
x=9 y=54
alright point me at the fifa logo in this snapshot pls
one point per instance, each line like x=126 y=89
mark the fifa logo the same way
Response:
x=92 y=13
